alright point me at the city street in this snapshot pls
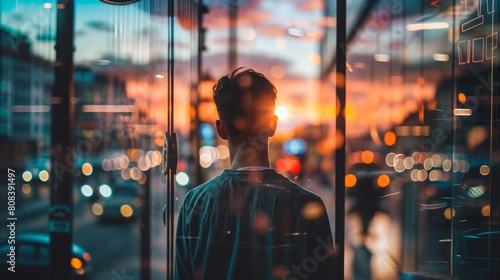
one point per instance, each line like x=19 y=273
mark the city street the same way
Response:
x=114 y=247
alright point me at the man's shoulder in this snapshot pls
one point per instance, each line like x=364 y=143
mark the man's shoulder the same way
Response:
x=267 y=178
x=202 y=189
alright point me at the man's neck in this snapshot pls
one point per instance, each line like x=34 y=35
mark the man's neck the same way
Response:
x=245 y=155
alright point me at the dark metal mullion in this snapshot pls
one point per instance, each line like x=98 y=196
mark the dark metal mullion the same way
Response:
x=61 y=151
x=453 y=100
x=341 y=52
x=170 y=126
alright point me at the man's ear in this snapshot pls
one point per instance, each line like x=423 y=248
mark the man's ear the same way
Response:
x=221 y=129
x=273 y=125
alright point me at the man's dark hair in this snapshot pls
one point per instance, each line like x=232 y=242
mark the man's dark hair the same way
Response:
x=235 y=92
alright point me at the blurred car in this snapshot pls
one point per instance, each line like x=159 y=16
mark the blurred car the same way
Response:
x=32 y=257
x=119 y=203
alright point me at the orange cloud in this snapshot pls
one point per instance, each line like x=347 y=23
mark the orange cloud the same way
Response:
x=312 y=5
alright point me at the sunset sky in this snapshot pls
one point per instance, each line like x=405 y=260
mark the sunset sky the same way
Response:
x=278 y=38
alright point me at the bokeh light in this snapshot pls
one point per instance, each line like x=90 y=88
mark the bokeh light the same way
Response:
x=182 y=179
x=105 y=190
x=87 y=169
x=447 y=165
x=125 y=173
x=27 y=176
x=123 y=161
x=87 y=190
x=281 y=165
x=143 y=179
x=408 y=162
x=289 y=164
x=126 y=211
x=144 y=163
x=97 y=209
x=223 y=151
x=107 y=165
x=293 y=166
x=399 y=163
x=484 y=170
x=435 y=175
x=462 y=98
x=464 y=166
x=76 y=263
x=417 y=157
x=153 y=158
x=350 y=180
x=312 y=211
x=449 y=213
x=422 y=175
x=295 y=146
x=367 y=157
x=383 y=180
x=485 y=210
x=135 y=173
x=389 y=159
x=26 y=188
x=43 y=175
x=390 y=138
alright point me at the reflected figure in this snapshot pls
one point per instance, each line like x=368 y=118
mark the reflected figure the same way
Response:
x=368 y=230
x=356 y=239
x=250 y=222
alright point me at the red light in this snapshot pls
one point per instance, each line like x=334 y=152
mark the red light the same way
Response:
x=289 y=164
x=293 y=166
x=281 y=165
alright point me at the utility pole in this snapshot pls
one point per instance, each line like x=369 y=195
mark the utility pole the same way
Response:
x=61 y=150
x=233 y=34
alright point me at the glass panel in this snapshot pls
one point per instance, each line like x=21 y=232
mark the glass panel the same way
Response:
x=422 y=158
x=422 y=129
x=120 y=115
x=476 y=127
x=26 y=82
